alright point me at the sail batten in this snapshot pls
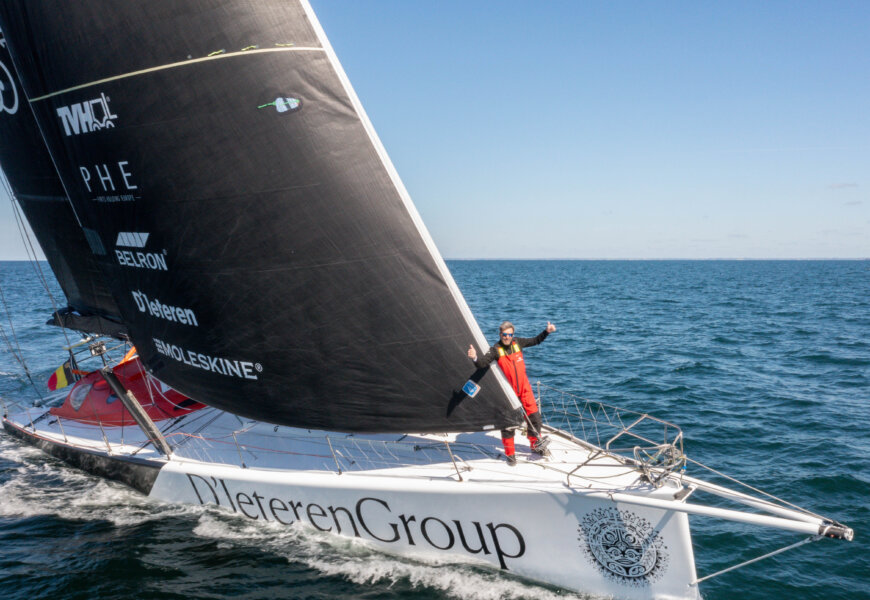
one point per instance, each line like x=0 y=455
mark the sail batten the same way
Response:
x=263 y=251
x=175 y=65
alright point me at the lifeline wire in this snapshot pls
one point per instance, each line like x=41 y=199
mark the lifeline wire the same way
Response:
x=812 y=538
x=31 y=252
x=18 y=355
x=756 y=490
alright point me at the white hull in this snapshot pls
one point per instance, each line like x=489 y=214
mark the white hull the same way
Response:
x=510 y=525
x=529 y=519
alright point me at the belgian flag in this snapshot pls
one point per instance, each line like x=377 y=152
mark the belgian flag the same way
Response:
x=61 y=378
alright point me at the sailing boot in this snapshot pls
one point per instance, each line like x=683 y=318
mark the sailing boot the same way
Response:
x=509 y=451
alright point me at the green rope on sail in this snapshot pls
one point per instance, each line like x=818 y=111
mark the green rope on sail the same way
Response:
x=285 y=45
x=282 y=101
x=216 y=52
x=254 y=47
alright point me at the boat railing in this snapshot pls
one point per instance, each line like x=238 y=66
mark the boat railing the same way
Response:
x=637 y=439
x=258 y=446
x=336 y=452
x=641 y=441
x=653 y=445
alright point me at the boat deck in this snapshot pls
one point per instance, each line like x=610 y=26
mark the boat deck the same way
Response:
x=218 y=438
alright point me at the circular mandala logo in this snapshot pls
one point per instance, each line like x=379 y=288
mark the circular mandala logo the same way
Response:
x=623 y=546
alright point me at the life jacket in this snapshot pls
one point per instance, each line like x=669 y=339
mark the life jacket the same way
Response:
x=514 y=368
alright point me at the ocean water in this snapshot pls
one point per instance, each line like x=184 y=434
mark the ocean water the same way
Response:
x=764 y=364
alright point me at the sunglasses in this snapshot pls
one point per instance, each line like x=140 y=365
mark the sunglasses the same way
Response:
x=507 y=335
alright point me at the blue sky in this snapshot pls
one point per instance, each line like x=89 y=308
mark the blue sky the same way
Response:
x=576 y=129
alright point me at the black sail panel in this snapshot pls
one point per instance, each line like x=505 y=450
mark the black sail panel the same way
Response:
x=263 y=253
x=35 y=184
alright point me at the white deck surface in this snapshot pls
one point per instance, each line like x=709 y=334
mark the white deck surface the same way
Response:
x=218 y=438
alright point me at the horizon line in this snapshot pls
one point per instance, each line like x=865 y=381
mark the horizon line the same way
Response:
x=664 y=258
x=823 y=258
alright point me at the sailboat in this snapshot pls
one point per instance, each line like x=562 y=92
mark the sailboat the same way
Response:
x=208 y=190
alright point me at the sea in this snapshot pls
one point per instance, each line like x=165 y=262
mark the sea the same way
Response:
x=765 y=366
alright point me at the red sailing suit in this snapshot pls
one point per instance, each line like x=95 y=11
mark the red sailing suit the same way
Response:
x=514 y=368
x=511 y=362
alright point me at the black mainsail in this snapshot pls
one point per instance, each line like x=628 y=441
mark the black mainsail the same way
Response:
x=263 y=252
x=34 y=182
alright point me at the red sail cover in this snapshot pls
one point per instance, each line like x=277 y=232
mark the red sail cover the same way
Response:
x=92 y=401
x=264 y=254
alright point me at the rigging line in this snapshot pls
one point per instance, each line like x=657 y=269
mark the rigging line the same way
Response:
x=29 y=248
x=31 y=254
x=754 y=489
x=812 y=538
x=194 y=417
x=28 y=245
x=174 y=65
x=19 y=356
x=9 y=345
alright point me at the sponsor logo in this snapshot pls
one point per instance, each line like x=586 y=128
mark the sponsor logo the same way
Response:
x=8 y=91
x=470 y=388
x=112 y=199
x=107 y=174
x=132 y=239
x=138 y=260
x=284 y=104
x=141 y=260
x=7 y=86
x=87 y=116
x=623 y=546
x=212 y=364
x=371 y=518
x=156 y=308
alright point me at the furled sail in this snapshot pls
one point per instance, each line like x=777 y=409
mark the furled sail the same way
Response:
x=263 y=251
x=40 y=194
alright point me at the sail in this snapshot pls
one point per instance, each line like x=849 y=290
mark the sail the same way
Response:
x=264 y=254
x=34 y=182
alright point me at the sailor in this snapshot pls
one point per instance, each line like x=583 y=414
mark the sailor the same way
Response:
x=508 y=351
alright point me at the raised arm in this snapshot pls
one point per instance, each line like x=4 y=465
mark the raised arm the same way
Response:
x=534 y=341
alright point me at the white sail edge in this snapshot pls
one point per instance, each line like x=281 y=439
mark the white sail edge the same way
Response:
x=464 y=309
